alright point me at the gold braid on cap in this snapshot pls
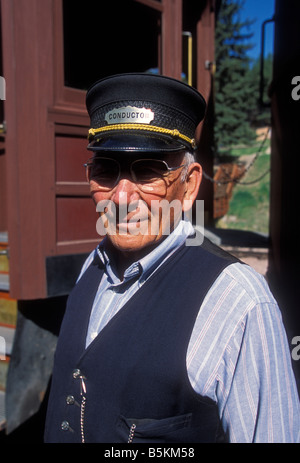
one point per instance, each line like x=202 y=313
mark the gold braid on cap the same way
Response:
x=149 y=128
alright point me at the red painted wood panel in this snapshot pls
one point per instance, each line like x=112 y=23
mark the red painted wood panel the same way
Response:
x=75 y=219
x=70 y=155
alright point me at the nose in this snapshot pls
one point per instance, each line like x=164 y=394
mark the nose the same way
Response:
x=125 y=192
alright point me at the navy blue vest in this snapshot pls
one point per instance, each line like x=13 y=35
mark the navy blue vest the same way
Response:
x=136 y=384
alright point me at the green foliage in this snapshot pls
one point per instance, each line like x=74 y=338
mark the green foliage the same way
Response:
x=260 y=116
x=241 y=202
x=234 y=86
x=249 y=205
x=237 y=115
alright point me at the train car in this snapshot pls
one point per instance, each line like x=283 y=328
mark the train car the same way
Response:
x=51 y=52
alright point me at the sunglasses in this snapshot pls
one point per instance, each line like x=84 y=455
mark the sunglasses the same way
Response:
x=148 y=174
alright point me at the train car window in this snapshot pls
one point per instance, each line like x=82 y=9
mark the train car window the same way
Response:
x=109 y=37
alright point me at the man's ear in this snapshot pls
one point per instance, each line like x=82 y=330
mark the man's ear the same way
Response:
x=193 y=181
x=87 y=174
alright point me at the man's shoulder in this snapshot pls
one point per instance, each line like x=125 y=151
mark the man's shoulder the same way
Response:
x=238 y=274
x=247 y=280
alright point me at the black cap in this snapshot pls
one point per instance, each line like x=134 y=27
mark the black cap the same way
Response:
x=143 y=112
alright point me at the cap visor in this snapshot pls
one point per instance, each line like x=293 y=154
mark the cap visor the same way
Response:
x=137 y=143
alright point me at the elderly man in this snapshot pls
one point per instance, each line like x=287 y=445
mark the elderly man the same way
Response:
x=162 y=341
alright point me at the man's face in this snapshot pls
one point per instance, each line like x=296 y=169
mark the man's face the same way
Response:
x=147 y=200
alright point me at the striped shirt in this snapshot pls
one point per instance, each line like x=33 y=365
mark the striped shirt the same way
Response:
x=238 y=354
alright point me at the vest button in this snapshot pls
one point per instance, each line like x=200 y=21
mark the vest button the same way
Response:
x=70 y=399
x=65 y=425
x=76 y=373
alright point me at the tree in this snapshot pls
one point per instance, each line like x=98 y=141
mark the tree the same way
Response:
x=260 y=116
x=233 y=94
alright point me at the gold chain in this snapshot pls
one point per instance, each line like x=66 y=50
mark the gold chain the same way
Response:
x=82 y=407
x=131 y=434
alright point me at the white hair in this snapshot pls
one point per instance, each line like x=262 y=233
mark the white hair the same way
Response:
x=188 y=159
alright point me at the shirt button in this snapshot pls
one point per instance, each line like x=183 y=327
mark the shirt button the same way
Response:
x=76 y=373
x=65 y=425
x=70 y=400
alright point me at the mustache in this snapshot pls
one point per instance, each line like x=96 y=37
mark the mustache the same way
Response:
x=124 y=212
x=115 y=219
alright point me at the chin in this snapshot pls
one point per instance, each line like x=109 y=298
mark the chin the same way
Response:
x=132 y=243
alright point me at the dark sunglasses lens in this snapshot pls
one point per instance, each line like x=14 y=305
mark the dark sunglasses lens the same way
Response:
x=105 y=172
x=148 y=170
x=148 y=174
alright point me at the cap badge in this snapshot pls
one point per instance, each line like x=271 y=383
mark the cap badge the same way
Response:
x=129 y=114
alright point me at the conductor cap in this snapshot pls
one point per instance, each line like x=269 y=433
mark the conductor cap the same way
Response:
x=143 y=113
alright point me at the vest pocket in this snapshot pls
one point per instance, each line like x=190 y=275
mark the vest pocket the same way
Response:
x=133 y=430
